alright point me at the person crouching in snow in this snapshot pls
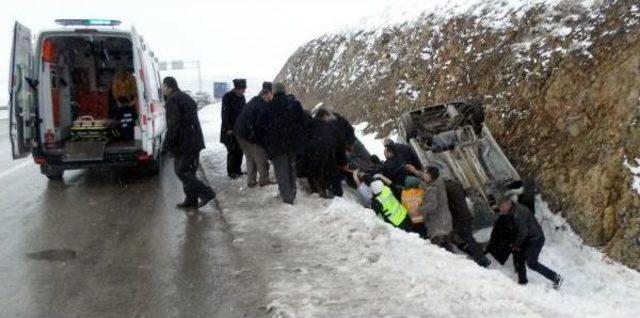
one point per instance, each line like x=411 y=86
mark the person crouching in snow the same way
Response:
x=387 y=207
x=529 y=241
x=435 y=206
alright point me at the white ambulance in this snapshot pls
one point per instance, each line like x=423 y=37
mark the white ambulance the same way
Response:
x=85 y=95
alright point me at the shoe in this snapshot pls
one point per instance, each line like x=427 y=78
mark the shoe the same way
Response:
x=205 y=201
x=266 y=183
x=557 y=283
x=187 y=205
x=252 y=184
x=484 y=263
x=234 y=176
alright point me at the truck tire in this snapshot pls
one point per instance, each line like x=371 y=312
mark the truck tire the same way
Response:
x=51 y=173
x=408 y=126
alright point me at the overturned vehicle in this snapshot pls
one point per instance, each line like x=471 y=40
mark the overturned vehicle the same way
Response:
x=454 y=138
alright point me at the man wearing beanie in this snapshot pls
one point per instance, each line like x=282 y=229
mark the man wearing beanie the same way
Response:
x=232 y=104
x=250 y=137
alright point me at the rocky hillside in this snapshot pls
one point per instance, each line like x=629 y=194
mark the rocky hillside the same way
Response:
x=560 y=82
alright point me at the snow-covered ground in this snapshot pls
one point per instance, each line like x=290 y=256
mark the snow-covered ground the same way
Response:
x=333 y=258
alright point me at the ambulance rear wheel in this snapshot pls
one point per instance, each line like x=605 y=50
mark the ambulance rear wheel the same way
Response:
x=53 y=174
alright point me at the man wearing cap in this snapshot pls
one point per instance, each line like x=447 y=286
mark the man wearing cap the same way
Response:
x=232 y=104
x=529 y=240
x=250 y=138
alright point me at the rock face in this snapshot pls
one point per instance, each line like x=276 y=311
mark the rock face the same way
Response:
x=561 y=86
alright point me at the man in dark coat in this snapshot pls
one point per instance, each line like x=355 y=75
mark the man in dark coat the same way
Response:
x=232 y=104
x=405 y=152
x=394 y=166
x=184 y=140
x=250 y=139
x=462 y=221
x=284 y=136
x=528 y=242
x=325 y=155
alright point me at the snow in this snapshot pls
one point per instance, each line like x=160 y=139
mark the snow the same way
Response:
x=329 y=258
x=635 y=184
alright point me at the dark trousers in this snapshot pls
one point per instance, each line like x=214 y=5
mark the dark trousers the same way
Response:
x=186 y=166
x=234 y=157
x=471 y=246
x=285 y=170
x=328 y=182
x=529 y=255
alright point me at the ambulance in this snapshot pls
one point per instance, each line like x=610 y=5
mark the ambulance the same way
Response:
x=64 y=106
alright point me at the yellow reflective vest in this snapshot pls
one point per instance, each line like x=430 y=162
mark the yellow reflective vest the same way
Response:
x=392 y=210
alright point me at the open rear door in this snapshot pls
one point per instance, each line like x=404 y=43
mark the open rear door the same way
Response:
x=22 y=97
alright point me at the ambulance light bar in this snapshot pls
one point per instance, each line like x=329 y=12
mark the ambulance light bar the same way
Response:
x=88 y=22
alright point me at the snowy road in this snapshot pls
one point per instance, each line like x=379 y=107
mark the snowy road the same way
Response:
x=325 y=258
x=112 y=244
x=109 y=244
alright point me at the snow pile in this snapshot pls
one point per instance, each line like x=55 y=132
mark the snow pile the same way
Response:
x=328 y=258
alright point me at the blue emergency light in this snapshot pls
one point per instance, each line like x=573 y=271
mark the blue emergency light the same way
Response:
x=88 y=22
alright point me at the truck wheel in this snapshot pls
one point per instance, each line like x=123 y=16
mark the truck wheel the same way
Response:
x=408 y=126
x=51 y=173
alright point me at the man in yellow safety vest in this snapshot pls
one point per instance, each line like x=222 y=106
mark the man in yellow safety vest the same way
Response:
x=388 y=208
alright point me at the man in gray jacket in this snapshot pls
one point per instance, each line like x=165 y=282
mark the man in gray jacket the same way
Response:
x=529 y=241
x=435 y=206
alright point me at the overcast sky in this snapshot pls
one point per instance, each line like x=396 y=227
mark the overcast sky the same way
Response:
x=235 y=38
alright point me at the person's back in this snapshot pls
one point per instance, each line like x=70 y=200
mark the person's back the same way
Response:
x=283 y=126
x=408 y=155
x=436 y=209
x=527 y=227
x=245 y=127
x=190 y=137
x=393 y=168
x=232 y=106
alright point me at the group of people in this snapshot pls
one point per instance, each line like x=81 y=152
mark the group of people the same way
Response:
x=274 y=129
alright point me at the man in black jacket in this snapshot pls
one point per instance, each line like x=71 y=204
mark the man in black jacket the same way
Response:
x=462 y=221
x=405 y=152
x=529 y=241
x=325 y=154
x=394 y=166
x=232 y=104
x=184 y=140
x=283 y=124
x=250 y=137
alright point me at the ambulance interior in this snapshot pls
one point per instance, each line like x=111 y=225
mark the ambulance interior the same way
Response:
x=79 y=103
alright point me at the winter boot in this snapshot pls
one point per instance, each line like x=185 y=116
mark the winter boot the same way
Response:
x=557 y=283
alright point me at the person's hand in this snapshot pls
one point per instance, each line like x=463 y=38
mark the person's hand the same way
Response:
x=515 y=248
x=410 y=168
x=229 y=132
x=355 y=175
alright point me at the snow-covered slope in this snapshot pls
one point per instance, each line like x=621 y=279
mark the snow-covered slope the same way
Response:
x=333 y=258
x=559 y=79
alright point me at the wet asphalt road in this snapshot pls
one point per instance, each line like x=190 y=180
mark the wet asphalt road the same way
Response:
x=111 y=244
